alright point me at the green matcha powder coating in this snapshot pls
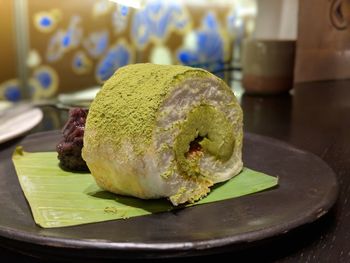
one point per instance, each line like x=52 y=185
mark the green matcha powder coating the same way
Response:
x=127 y=105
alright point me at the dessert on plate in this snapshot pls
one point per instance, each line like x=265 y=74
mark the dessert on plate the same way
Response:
x=158 y=131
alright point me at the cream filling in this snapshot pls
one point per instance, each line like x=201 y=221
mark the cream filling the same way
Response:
x=191 y=94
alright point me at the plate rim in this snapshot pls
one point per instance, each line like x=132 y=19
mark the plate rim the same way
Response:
x=69 y=243
x=33 y=122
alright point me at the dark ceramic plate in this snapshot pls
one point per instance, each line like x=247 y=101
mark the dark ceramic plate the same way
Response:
x=307 y=190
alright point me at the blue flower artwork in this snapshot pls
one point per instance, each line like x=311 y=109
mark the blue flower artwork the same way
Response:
x=207 y=51
x=46 y=81
x=13 y=93
x=81 y=64
x=42 y=83
x=46 y=21
x=62 y=41
x=11 y=90
x=124 y=10
x=156 y=20
x=120 y=18
x=117 y=56
x=55 y=50
x=96 y=43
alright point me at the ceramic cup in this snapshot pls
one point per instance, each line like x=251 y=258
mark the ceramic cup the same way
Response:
x=267 y=66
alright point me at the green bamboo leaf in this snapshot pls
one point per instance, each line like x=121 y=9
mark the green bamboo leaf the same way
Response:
x=59 y=198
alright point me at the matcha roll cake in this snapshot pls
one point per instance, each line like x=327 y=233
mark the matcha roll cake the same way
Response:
x=156 y=131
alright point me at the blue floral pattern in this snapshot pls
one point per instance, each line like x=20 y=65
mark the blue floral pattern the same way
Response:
x=46 y=21
x=148 y=29
x=11 y=91
x=62 y=41
x=46 y=81
x=120 y=18
x=43 y=83
x=208 y=51
x=97 y=43
x=81 y=64
x=117 y=56
x=156 y=20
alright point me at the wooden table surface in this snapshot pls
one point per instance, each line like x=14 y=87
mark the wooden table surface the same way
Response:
x=315 y=118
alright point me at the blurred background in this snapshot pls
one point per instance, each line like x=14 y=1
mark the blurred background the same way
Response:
x=51 y=48
x=287 y=61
